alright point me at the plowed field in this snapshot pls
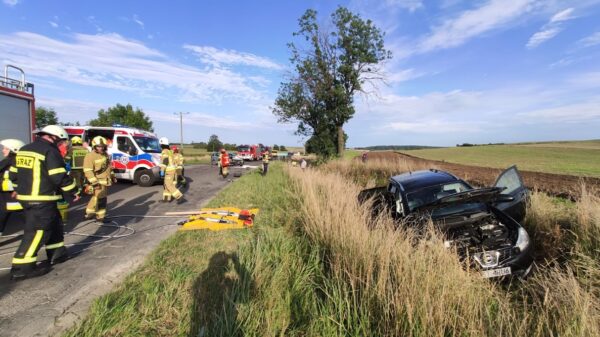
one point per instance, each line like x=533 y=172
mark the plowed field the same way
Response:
x=566 y=186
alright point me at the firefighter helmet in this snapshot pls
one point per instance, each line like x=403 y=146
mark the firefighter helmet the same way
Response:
x=175 y=149
x=99 y=141
x=76 y=140
x=12 y=144
x=222 y=150
x=53 y=130
x=163 y=141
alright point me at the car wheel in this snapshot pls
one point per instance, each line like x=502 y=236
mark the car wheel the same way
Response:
x=144 y=178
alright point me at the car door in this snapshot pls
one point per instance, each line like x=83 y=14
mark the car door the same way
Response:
x=513 y=186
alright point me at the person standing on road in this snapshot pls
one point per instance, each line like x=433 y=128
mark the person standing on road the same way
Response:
x=39 y=172
x=168 y=170
x=75 y=159
x=265 y=161
x=97 y=169
x=8 y=204
x=178 y=159
x=224 y=163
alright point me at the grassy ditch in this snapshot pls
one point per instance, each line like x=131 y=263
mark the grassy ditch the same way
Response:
x=312 y=267
x=186 y=282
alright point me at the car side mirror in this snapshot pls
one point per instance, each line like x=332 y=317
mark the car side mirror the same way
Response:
x=505 y=198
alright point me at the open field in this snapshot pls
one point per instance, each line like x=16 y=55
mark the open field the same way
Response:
x=312 y=267
x=570 y=158
x=387 y=163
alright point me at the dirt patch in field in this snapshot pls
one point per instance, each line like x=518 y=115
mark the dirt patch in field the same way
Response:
x=565 y=186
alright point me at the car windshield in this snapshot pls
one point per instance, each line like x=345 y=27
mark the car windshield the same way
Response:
x=148 y=144
x=243 y=148
x=430 y=194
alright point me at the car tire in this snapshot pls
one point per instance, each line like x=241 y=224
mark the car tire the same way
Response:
x=144 y=178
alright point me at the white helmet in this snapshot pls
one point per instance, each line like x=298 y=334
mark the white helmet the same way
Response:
x=12 y=144
x=163 y=141
x=54 y=130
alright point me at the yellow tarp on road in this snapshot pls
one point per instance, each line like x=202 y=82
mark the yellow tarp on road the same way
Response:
x=224 y=218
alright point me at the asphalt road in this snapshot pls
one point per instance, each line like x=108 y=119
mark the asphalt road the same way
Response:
x=49 y=304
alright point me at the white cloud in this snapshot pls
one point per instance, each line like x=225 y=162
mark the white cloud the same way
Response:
x=587 y=80
x=436 y=127
x=11 y=2
x=410 y=5
x=137 y=20
x=563 y=15
x=494 y=14
x=111 y=61
x=203 y=119
x=551 y=29
x=53 y=24
x=218 y=57
x=570 y=113
x=591 y=40
x=542 y=36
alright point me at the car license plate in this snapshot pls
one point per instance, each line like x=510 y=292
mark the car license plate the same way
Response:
x=496 y=272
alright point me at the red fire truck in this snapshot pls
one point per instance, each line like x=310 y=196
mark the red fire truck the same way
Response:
x=250 y=152
x=17 y=106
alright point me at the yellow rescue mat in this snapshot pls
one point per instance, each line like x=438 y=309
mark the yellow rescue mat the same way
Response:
x=217 y=219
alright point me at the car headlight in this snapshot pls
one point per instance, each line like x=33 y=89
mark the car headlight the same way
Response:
x=522 y=239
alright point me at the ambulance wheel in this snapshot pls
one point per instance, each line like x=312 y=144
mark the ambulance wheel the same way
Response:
x=144 y=178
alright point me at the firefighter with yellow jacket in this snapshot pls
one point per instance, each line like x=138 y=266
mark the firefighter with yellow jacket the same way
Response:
x=8 y=204
x=178 y=159
x=40 y=173
x=99 y=175
x=75 y=158
x=168 y=170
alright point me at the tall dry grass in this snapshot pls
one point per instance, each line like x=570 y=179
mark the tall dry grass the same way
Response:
x=390 y=284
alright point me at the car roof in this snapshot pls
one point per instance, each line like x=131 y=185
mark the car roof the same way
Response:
x=418 y=179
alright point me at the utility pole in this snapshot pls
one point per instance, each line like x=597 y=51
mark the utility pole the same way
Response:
x=181 y=127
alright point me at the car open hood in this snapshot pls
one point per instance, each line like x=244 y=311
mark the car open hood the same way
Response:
x=480 y=195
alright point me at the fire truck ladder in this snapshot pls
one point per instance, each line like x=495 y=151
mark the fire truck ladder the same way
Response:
x=14 y=84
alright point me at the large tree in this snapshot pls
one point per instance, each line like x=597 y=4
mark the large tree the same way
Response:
x=214 y=144
x=45 y=116
x=329 y=69
x=124 y=115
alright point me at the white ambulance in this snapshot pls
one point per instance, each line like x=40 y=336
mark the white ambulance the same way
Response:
x=135 y=153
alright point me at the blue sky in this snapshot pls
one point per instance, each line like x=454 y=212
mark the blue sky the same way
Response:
x=462 y=71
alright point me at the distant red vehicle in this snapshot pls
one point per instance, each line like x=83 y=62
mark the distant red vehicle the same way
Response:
x=251 y=152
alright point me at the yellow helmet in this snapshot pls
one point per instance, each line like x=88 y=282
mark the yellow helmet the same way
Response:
x=76 y=140
x=99 y=141
x=12 y=144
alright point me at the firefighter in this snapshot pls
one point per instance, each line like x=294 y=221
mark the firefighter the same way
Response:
x=224 y=163
x=39 y=173
x=99 y=175
x=75 y=159
x=8 y=203
x=168 y=170
x=178 y=159
x=265 y=161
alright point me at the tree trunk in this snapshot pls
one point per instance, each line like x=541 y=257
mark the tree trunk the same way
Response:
x=340 y=141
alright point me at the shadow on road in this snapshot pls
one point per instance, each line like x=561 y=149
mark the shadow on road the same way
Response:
x=217 y=291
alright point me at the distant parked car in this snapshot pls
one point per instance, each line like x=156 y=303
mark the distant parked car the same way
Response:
x=234 y=159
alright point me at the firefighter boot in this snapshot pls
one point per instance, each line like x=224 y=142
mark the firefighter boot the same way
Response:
x=58 y=255
x=29 y=270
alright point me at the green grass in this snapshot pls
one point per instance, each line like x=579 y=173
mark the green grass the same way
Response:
x=577 y=158
x=351 y=154
x=185 y=285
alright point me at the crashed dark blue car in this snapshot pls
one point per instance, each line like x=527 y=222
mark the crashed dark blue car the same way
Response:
x=482 y=224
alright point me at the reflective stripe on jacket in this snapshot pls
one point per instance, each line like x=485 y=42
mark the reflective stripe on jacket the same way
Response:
x=40 y=173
